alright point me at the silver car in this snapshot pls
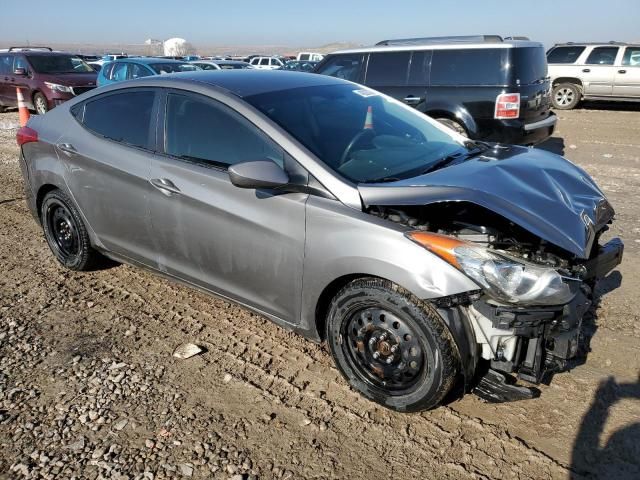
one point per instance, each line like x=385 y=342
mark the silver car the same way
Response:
x=426 y=261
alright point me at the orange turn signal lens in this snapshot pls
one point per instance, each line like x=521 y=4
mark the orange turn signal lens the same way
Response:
x=441 y=245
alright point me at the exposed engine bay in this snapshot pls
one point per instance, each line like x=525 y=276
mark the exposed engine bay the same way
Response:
x=531 y=340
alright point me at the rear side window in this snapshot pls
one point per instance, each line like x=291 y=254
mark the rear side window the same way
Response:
x=631 y=57
x=565 y=54
x=118 y=72
x=264 y=61
x=388 y=68
x=202 y=130
x=470 y=67
x=529 y=64
x=347 y=67
x=137 y=71
x=602 y=56
x=123 y=117
x=418 y=67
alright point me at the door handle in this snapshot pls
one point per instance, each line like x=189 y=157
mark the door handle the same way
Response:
x=586 y=70
x=412 y=100
x=622 y=71
x=67 y=148
x=165 y=185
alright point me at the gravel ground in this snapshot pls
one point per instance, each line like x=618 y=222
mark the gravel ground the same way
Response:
x=89 y=387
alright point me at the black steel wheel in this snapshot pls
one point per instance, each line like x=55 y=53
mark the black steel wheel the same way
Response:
x=390 y=346
x=65 y=232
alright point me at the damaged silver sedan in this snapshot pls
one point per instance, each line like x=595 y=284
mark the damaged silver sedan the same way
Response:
x=430 y=264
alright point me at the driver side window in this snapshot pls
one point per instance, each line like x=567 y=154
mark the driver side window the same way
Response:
x=203 y=130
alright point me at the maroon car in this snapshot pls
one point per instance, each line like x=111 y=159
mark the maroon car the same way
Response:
x=47 y=78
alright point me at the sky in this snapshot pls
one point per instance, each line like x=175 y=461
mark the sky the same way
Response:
x=304 y=23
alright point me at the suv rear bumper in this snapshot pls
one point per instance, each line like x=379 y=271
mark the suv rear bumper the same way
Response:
x=520 y=133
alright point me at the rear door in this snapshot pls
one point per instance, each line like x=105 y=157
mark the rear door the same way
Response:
x=530 y=79
x=401 y=75
x=108 y=154
x=627 y=78
x=6 y=64
x=244 y=244
x=599 y=70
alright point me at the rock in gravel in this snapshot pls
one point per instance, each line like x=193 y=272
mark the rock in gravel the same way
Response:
x=187 y=350
x=149 y=443
x=77 y=445
x=227 y=378
x=186 y=469
x=120 y=424
x=304 y=422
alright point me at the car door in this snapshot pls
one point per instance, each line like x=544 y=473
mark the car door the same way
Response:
x=627 y=80
x=108 y=156
x=6 y=64
x=599 y=70
x=242 y=243
x=401 y=75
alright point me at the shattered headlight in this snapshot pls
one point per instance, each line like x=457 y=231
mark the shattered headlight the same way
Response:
x=501 y=277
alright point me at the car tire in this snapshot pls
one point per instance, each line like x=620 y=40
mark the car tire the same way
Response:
x=40 y=103
x=66 y=233
x=390 y=346
x=565 y=96
x=453 y=125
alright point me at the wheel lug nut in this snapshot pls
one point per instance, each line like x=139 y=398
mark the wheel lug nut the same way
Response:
x=383 y=336
x=389 y=360
x=376 y=355
x=394 y=348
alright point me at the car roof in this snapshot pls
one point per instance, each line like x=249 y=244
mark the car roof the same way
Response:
x=599 y=44
x=148 y=60
x=440 y=46
x=242 y=83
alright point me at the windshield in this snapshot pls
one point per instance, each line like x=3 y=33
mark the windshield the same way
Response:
x=162 y=68
x=359 y=133
x=54 y=64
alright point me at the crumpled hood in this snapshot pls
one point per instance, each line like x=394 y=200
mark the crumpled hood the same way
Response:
x=542 y=192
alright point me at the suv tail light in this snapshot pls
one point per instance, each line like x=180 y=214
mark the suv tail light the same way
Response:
x=26 y=135
x=507 y=106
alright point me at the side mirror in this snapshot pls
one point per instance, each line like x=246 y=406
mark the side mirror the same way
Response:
x=258 y=174
x=20 y=72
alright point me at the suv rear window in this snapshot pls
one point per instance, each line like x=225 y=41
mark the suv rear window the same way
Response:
x=470 y=67
x=123 y=117
x=564 y=54
x=529 y=64
x=388 y=68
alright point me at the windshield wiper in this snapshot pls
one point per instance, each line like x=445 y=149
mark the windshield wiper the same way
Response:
x=475 y=149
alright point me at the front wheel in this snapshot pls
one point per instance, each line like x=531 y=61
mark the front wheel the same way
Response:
x=390 y=346
x=40 y=103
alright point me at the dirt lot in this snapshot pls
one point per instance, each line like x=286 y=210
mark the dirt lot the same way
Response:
x=89 y=388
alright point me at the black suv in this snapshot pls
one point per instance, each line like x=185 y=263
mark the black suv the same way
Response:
x=485 y=87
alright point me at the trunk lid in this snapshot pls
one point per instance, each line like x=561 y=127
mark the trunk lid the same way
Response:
x=542 y=192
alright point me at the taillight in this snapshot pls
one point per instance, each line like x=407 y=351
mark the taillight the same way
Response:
x=26 y=135
x=507 y=106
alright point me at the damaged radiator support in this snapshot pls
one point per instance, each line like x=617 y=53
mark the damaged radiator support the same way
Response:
x=530 y=342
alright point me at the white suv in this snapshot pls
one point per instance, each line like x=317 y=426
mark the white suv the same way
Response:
x=266 y=63
x=593 y=71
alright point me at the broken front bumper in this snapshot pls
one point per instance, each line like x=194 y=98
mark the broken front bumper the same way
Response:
x=538 y=341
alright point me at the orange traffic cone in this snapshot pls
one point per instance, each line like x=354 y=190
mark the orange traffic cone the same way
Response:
x=22 y=108
x=368 y=121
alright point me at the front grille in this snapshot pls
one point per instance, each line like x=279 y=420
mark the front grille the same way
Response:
x=81 y=90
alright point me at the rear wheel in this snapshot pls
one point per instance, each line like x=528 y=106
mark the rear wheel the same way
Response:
x=40 y=103
x=453 y=125
x=390 y=346
x=65 y=232
x=565 y=96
